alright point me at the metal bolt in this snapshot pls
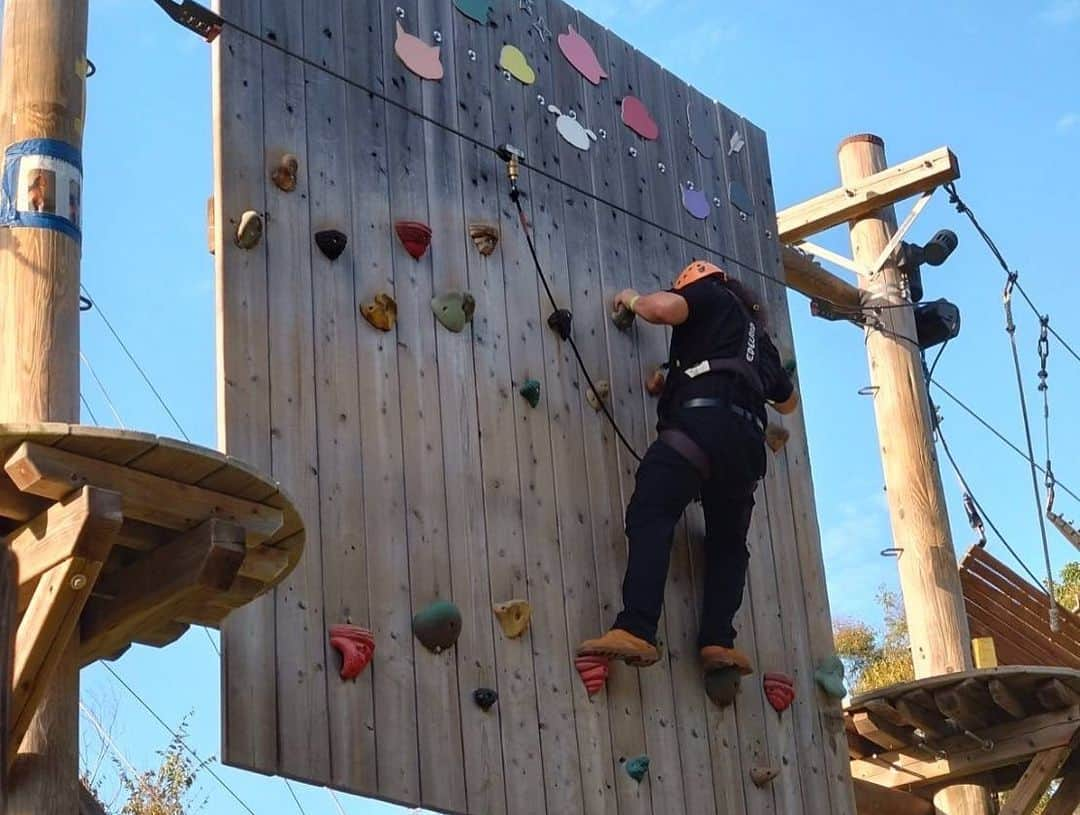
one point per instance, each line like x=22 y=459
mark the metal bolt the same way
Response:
x=506 y=76
x=540 y=98
x=661 y=167
x=437 y=36
x=78 y=582
x=768 y=233
x=633 y=152
x=717 y=202
x=472 y=55
x=603 y=133
x=400 y=12
x=572 y=114
x=743 y=217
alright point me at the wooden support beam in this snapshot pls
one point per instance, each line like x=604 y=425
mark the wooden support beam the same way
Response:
x=928 y=720
x=1042 y=770
x=147 y=595
x=1013 y=742
x=166 y=635
x=1066 y=800
x=1055 y=694
x=809 y=277
x=858 y=198
x=881 y=732
x=62 y=591
x=8 y=623
x=265 y=564
x=870 y=799
x=53 y=473
x=960 y=709
x=1005 y=699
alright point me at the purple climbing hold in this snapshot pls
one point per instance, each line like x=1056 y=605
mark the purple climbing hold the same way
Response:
x=695 y=202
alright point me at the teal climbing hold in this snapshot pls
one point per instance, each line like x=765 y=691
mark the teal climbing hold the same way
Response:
x=790 y=365
x=454 y=310
x=531 y=391
x=637 y=768
x=830 y=676
x=478 y=10
x=438 y=626
x=722 y=685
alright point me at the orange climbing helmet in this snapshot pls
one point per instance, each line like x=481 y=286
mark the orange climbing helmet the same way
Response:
x=696 y=271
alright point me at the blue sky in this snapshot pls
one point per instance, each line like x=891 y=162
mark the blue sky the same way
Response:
x=995 y=80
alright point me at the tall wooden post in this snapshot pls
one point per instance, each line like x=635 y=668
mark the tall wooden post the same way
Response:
x=929 y=577
x=42 y=104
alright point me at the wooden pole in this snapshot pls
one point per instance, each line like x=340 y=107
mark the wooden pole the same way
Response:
x=929 y=577
x=42 y=98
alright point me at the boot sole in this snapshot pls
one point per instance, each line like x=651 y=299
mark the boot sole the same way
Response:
x=633 y=660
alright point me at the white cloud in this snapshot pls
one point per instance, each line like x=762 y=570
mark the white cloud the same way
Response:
x=1061 y=12
x=1068 y=122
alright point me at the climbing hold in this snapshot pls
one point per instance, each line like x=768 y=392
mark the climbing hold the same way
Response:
x=656 y=382
x=695 y=202
x=331 y=243
x=419 y=57
x=737 y=142
x=593 y=671
x=622 y=317
x=637 y=768
x=722 y=685
x=414 y=236
x=701 y=119
x=478 y=10
x=830 y=676
x=454 y=310
x=561 y=322
x=580 y=54
x=382 y=314
x=531 y=391
x=573 y=132
x=514 y=617
x=740 y=198
x=356 y=646
x=517 y=65
x=779 y=690
x=763 y=775
x=250 y=230
x=485 y=236
x=776 y=437
x=637 y=117
x=791 y=366
x=285 y=174
x=596 y=397
x=485 y=698
x=438 y=626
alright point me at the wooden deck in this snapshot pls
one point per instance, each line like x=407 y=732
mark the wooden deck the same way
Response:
x=989 y=724
x=129 y=538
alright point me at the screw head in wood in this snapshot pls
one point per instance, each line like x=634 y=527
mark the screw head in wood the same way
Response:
x=400 y=12
x=437 y=36
x=78 y=582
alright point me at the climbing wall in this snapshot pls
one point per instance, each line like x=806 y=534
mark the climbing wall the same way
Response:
x=424 y=476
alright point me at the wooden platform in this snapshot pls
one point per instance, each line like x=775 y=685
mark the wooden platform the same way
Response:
x=1011 y=728
x=131 y=538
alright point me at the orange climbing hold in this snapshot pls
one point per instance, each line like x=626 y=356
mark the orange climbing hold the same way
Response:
x=594 y=672
x=356 y=646
x=656 y=382
x=779 y=690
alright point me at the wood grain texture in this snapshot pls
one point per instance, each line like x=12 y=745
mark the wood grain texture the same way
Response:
x=423 y=475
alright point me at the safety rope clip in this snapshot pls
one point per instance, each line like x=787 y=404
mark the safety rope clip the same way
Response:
x=194 y=17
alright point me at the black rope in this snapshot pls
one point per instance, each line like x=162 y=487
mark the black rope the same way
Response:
x=516 y=196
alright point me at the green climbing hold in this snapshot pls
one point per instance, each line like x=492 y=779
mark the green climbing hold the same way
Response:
x=478 y=10
x=790 y=365
x=438 y=626
x=531 y=391
x=722 y=685
x=636 y=768
x=454 y=309
x=830 y=676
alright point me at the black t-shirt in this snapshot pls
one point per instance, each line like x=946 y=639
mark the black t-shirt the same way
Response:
x=718 y=328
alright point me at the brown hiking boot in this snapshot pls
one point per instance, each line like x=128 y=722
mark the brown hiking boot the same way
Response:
x=620 y=644
x=714 y=657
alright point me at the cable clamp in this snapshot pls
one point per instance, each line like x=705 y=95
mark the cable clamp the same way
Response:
x=194 y=17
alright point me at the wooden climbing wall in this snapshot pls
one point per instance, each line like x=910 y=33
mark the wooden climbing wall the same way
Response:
x=423 y=475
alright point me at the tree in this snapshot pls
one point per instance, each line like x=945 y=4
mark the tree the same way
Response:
x=1068 y=586
x=876 y=659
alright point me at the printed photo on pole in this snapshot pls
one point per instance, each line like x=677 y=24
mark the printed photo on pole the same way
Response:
x=42 y=187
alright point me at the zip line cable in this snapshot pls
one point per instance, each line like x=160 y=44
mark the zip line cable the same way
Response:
x=203 y=764
x=89 y=410
x=104 y=391
x=292 y=792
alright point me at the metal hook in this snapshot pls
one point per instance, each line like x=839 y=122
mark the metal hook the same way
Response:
x=892 y=551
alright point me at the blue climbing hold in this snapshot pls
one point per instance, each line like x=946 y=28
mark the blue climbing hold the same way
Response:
x=531 y=391
x=637 y=768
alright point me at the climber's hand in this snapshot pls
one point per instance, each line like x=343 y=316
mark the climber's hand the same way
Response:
x=624 y=297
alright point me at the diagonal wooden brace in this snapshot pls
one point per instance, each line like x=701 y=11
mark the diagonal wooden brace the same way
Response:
x=58 y=598
x=1036 y=779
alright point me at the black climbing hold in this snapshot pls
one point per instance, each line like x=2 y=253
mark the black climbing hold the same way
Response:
x=722 y=685
x=331 y=243
x=740 y=198
x=485 y=698
x=438 y=626
x=531 y=391
x=561 y=322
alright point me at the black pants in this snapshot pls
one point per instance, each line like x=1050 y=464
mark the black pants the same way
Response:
x=666 y=484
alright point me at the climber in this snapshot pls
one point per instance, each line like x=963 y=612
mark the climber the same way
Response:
x=723 y=368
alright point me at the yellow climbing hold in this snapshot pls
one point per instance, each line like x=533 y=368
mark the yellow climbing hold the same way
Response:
x=516 y=63
x=514 y=617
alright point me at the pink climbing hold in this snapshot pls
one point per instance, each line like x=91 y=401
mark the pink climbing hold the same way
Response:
x=594 y=672
x=580 y=54
x=356 y=646
x=637 y=117
x=780 y=691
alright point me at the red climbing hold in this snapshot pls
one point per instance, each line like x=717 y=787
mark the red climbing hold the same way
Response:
x=356 y=646
x=594 y=672
x=780 y=691
x=637 y=117
x=415 y=237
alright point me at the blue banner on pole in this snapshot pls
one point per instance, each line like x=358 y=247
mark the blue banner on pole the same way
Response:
x=42 y=187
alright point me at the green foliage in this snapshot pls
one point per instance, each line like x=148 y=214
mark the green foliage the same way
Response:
x=875 y=659
x=1068 y=586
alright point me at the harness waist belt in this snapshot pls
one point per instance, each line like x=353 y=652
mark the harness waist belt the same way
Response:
x=688 y=449
x=742 y=413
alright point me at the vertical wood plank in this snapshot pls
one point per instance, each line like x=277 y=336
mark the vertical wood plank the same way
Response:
x=384 y=501
x=249 y=687
x=341 y=459
x=301 y=674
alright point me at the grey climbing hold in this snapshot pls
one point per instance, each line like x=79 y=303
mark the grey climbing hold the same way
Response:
x=597 y=397
x=454 y=310
x=740 y=198
x=438 y=626
x=830 y=676
x=249 y=231
x=331 y=243
x=722 y=685
x=531 y=391
x=485 y=698
x=637 y=768
x=763 y=775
